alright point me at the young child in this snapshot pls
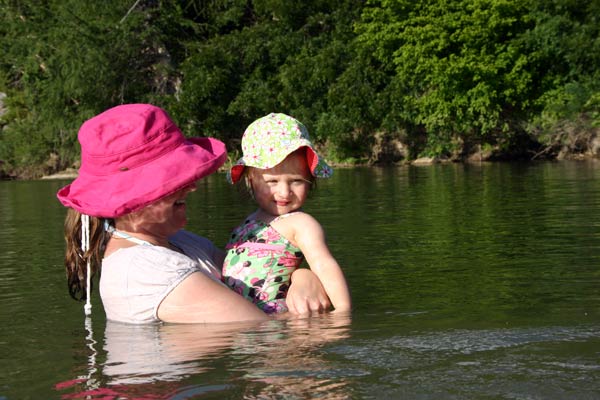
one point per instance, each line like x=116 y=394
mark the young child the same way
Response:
x=278 y=167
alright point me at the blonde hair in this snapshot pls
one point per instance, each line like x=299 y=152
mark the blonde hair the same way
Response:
x=75 y=259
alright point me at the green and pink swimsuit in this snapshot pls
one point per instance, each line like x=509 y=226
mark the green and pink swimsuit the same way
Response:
x=259 y=264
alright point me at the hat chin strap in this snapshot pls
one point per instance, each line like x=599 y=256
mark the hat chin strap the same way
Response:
x=85 y=246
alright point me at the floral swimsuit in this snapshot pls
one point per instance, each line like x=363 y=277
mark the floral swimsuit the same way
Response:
x=259 y=264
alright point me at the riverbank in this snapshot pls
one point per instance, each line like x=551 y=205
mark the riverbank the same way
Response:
x=71 y=173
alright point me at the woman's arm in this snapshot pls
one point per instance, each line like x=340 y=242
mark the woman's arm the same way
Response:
x=310 y=238
x=200 y=299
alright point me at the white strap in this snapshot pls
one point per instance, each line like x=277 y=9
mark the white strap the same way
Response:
x=85 y=246
x=111 y=229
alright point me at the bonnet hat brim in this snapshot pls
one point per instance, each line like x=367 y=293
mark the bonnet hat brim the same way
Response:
x=270 y=139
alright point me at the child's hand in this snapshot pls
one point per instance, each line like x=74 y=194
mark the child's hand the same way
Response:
x=306 y=294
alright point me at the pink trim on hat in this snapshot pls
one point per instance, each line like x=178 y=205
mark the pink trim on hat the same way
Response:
x=236 y=173
x=312 y=159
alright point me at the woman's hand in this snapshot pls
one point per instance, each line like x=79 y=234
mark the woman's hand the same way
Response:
x=306 y=294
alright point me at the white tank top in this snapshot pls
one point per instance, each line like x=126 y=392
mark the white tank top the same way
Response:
x=135 y=280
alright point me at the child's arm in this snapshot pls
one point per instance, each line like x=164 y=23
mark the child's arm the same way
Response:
x=306 y=294
x=309 y=236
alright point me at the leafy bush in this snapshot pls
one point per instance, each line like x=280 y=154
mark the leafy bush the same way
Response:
x=416 y=78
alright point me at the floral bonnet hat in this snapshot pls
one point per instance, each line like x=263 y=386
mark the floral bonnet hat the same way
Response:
x=270 y=139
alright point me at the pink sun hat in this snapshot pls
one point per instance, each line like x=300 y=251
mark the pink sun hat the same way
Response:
x=133 y=155
x=270 y=139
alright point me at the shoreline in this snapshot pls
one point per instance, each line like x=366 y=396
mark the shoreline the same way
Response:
x=66 y=174
x=72 y=173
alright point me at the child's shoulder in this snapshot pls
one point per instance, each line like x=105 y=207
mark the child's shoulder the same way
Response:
x=297 y=225
x=297 y=218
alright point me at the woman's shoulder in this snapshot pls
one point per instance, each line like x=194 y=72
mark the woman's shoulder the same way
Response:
x=135 y=280
x=193 y=245
x=189 y=238
x=200 y=249
x=198 y=255
x=147 y=257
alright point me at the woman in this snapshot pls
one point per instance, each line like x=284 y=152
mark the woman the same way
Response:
x=127 y=211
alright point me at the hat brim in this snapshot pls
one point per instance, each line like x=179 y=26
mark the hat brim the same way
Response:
x=114 y=195
x=317 y=166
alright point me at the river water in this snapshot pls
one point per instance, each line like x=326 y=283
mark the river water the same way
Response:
x=469 y=282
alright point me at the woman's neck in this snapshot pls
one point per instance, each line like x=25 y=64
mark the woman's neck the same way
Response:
x=142 y=234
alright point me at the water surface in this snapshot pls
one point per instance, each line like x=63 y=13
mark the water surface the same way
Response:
x=469 y=281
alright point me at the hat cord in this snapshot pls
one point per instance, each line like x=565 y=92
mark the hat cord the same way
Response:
x=85 y=246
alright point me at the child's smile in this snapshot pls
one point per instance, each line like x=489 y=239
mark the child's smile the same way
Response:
x=283 y=188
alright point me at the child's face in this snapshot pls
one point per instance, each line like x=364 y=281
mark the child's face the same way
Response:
x=283 y=188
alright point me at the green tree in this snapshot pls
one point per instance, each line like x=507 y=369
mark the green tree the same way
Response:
x=270 y=56
x=493 y=72
x=437 y=76
x=564 y=47
x=64 y=61
x=457 y=70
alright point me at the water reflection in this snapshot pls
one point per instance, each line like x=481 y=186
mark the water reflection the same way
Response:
x=287 y=363
x=279 y=357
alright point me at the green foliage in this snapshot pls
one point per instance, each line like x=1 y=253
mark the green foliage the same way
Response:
x=478 y=69
x=565 y=44
x=283 y=57
x=457 y=68
x=65 y=61
x=440 y=77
